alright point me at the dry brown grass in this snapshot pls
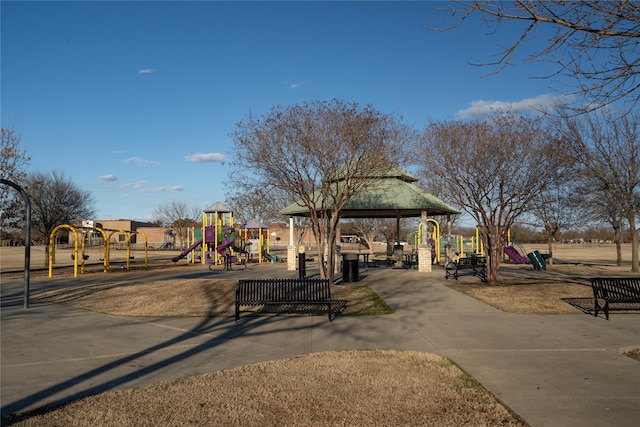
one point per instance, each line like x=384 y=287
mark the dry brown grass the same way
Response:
x=393 y=388
x=525 y=291
x=536 y=298
x=186 y=298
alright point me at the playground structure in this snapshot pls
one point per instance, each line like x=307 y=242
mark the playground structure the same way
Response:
x=514 y=255
x=221 y=244
x=215 y=220
x=445 y=245
x=257 y=241
x=82 y=233
x=461 y=245
x=518 y=254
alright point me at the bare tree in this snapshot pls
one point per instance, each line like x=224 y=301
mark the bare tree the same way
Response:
x=554 y=208
x=607 y=149
x=251 y=199
x=179 y=216
x=594 y=43
x=603 y=207
x=493 y=169
x=56 y=200
x=321 y=153
x=368 y=229
x=13 y=161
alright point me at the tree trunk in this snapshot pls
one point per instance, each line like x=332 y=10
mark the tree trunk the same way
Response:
x=321 y=241
x=369 y=241
x=550 y=247
x=493 y=265
x=318 y=234
x=634 y=243
x=617 y=238
x=332 y=234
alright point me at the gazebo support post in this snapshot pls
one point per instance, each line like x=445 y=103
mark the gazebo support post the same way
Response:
x=337 y=255
x=291 y=249
x=424 y=249
x=448 y=249
x=397 y=248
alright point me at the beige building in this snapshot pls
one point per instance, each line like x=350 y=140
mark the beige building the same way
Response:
x=162 y=237
x=156 y=236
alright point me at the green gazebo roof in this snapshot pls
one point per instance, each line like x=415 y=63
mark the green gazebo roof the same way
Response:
x=391 y=194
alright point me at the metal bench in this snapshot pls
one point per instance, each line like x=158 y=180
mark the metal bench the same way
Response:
x=474 y=265
x=618 y=293
x=289 y=294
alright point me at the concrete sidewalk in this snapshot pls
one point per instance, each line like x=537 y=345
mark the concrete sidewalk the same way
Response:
x=552 y=370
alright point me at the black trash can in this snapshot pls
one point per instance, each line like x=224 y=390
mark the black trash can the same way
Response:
x=350 y=268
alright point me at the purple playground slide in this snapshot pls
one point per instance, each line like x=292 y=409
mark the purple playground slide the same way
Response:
x=186 y=251
x=222 y=247
x=512 y=253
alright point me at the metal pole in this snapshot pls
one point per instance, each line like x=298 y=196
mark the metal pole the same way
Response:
x=27 y=238
x=302 y=263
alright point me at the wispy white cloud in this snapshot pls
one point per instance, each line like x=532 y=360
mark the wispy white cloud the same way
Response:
x=161 y=189
x=293 y=85
x=140 y=185
x=118 y=151
x=146 y=70
x=205 y=157
x=143 y=187
x=141 y=162
x=480 y=109
x=108 y=178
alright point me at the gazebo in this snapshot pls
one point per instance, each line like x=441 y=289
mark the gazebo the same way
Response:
x=391 y=194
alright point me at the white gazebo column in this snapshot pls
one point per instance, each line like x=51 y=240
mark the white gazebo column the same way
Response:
x=291 y=249
x=424 y=249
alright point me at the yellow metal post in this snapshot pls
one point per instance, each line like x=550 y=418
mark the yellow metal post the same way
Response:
x=75 y=248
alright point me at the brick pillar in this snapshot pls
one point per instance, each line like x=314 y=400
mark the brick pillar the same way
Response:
x=291 y=258
x=424 y=258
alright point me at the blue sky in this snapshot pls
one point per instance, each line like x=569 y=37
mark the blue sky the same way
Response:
x=135 y=101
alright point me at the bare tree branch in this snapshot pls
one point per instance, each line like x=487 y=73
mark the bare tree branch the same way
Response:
x=179 y=216
x=606 y=147
x=321 y=153
x=13 y=161
x=595 y=43
x=56 y=200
